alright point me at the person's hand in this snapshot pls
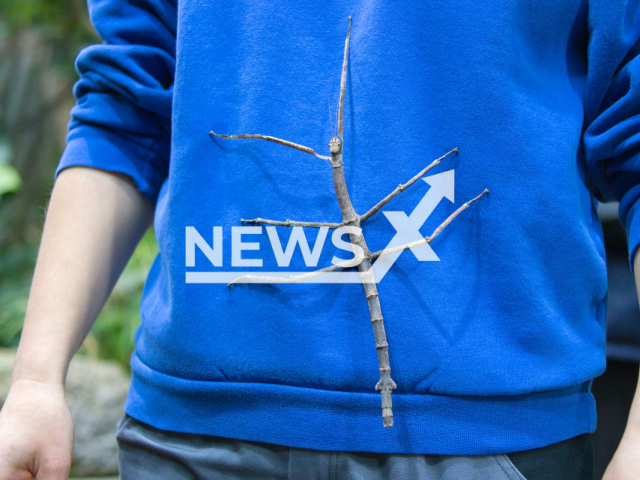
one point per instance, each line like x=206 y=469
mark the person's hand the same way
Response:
x=36 y=433
x=625 y=464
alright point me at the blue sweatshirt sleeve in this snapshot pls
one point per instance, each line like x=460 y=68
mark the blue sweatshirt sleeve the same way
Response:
x=122 y=119
x=612 y=109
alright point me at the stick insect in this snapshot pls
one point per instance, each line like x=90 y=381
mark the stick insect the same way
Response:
x=351 y=219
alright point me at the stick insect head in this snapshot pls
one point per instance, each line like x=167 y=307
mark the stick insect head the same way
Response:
x=335 y=146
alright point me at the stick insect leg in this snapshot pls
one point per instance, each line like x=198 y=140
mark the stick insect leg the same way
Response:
x=379 y=253
x=256 y=136
x=402 y=188
x=292 y=223
x=436 y=232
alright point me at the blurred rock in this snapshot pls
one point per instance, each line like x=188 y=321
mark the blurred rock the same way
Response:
x=95 y=392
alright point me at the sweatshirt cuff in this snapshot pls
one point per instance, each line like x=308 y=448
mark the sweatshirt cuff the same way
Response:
x=98 y=147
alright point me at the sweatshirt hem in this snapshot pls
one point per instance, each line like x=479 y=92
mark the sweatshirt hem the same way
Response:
x=345 y=421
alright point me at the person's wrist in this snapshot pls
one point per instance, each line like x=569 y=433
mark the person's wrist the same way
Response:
x=24 y=383
x=41 y=367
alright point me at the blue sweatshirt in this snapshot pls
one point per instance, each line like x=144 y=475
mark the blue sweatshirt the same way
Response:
x=494 y=332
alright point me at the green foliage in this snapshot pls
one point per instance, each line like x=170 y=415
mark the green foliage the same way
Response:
x=20 y=13
x=10 y=180
x=16 y=268
x=58 y=19
x=112 y=335
x=39 y=42
x=64 y=24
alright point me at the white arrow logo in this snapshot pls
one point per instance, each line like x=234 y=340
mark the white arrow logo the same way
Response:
x=408 y=227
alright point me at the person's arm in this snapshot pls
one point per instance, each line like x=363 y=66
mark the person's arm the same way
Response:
x=625 y=464
x=93 y=223
x=121 y=129
x=611 y=151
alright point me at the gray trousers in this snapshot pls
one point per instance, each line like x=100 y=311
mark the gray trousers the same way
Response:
x=146 y=453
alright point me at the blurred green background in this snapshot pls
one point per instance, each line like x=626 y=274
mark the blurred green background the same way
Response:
x=39 y=41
